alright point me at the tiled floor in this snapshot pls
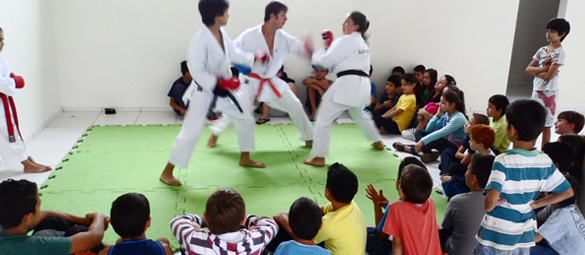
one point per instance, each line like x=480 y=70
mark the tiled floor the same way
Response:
x=57 y=139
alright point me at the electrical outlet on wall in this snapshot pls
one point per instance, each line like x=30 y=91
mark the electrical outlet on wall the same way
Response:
x=107 y=64
x=445 y=70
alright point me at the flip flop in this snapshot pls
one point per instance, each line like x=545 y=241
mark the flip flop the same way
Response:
x=398 y=146
x=261 y=121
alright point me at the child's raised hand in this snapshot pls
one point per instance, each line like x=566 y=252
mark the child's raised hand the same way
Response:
x=373 y=194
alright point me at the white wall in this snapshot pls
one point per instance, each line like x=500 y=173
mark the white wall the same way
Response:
x=28 y=51
x=571 y=77
x=146 y=39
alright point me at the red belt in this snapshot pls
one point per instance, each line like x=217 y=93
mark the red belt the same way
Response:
x=6 y=100
x=262 y=81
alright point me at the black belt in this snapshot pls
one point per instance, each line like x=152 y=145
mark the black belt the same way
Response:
x=352 y=72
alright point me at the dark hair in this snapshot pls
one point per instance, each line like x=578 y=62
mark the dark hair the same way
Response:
x=209 y=9
x=561 y=153
x=129 y=215
x=573 y=117
x=453 y=97
x=416 y=184
x=341 y=183
x=398 y=69
x=360 y=20
x=410 y=78
x=184 y=68
x=482 y=167
x=409 y=161
x=450 y=80
x=17 y=199
x=575 y=185
x=371 y=70
x=500 y=102
x=394 y=79
x=528 y=117
x=454 y=88
x=481 y=119
x=304 y=218
x=431 y=87
x=275 y=8
x=1 y=31
x=224 y=211
x=560 y=25
x=483 y=134
x=420 y=69
x=578 y=145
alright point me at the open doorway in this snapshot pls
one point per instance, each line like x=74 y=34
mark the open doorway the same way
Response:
x=531 y=21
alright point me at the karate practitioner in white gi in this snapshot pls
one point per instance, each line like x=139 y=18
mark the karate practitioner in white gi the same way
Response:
x=267 y=87
x=349 y=58
x=210 y=52
x=12 y=146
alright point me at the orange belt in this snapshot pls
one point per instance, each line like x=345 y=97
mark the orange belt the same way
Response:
x=262 y=81
x=6 y=100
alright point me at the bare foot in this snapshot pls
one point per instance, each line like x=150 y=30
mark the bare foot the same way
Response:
x=212 y=141
x=316 y=161
x=252 y=163
x=309 y=143
x=170 y=180
x=47 y=168
x=36 y=168
x=378 y=145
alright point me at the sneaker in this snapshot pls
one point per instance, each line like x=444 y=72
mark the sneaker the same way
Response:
x=408 y=134
x=429 y=157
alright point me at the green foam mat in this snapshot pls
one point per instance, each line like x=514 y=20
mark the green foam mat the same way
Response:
x=110 y=161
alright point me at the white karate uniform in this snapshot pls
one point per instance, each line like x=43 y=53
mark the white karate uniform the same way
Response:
x=207 y=62
x=16 y=152
x=349 y=92
x=253 y=40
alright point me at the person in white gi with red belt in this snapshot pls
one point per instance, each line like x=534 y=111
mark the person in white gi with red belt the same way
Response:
x=349 y=58
x=12 y=146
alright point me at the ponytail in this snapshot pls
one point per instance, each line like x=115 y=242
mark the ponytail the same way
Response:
x=363 y=23
x=453 y=97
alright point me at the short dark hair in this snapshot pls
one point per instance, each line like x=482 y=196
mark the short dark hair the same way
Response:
x=275 y=8
x=184 y=68
x=408 y=161
x=481 y=119
x=578 y=144
x=304 y=218
x=420 y=69
x=129 y=214
x=482 y=167
x=560 y=153
x=342 y=183
x=416 y=184
x=224 y=211
x=362 y=22
x=560 y=25
x=528 y=117
x=17 y=199
x=394 y=79
x=573 y=117
x=500 y=102
x=575 y=185
x=398 y=69
x=209 y=9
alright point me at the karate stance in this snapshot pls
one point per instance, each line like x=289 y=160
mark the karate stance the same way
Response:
x=12 y=146
x=265 y=85
x=349 y=58
x=209 y=57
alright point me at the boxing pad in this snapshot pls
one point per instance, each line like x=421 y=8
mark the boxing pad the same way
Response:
x=327 y=36
x=229 y=84
x=261 y=56
x=18 y=80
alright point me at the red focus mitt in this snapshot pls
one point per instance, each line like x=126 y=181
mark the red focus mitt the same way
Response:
x=18 y=80
x=327 y=36
x=261 y=56
x=229 y=84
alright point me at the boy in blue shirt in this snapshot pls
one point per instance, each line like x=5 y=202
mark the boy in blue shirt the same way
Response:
x=518 y=176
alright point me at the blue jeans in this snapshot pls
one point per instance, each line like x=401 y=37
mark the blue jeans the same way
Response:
x=541 y=250
x=487 y=250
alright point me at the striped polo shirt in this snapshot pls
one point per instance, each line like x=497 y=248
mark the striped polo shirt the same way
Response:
x=520 y=176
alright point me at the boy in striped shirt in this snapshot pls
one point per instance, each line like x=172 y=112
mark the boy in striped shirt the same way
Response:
x=224 y=214
x=518 y=176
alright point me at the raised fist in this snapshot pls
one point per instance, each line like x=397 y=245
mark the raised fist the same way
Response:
x=327 y=36
x=18 y=80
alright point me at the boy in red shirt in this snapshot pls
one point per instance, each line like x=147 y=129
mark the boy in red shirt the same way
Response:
x=412 y=222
